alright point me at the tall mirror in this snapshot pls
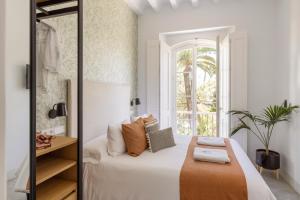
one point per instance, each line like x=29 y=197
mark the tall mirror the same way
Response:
x=56 y=72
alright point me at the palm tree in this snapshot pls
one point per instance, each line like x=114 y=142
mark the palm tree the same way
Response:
x=186 y=59
x=206 y=62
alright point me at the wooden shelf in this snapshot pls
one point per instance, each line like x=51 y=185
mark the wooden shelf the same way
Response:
x=55 y=189
x=57 y=143
x=49 y=167
x=72 y=196
x=56 y=170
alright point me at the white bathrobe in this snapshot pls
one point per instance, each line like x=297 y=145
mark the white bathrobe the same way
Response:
x=47 y=54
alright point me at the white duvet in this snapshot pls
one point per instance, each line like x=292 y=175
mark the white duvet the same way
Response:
x=151 y=176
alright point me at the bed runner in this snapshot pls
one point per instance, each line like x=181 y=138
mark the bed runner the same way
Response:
x=211 y=181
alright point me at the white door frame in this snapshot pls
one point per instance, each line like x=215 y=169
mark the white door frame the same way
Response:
x=3 y=177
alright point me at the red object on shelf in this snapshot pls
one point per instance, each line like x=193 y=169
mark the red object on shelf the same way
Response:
x=43 y=140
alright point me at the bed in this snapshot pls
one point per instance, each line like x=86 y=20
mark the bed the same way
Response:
x=151 y=176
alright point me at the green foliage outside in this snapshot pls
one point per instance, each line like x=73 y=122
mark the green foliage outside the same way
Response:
x=206 y=101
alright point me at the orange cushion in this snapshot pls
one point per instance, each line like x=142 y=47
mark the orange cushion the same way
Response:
x=135 y=137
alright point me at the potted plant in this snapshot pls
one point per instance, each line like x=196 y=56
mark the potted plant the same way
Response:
x=262 y=127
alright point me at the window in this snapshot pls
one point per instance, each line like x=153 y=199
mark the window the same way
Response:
x=196 y=89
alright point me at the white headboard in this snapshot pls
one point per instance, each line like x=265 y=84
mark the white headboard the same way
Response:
x=103 y=103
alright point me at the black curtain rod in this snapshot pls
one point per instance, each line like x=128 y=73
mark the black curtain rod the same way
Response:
x=57 y=13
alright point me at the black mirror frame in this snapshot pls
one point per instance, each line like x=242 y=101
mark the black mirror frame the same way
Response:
x=32 y=106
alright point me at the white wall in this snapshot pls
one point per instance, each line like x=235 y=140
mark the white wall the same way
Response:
x=16 y=96
x=256 y=17
x=2 y=102
x=273 y=28
x=287 y=137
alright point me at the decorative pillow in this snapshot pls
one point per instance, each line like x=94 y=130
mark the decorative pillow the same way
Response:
x=149 y=128
x=135 y=137
x=150 y=119
x=159 y=140
x=152 y=127
x=147 y=118
x=115 y=141
x=133 y=119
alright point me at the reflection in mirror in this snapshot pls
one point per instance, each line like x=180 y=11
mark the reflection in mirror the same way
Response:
x=53 y=71
x=56 y=148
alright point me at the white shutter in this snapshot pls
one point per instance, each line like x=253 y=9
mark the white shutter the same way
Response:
x=152 y=65
x=238 y=85
x=224 y=87
x=165 y=85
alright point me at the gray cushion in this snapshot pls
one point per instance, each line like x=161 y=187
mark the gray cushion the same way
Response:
x=160 y=139
x=152 y=127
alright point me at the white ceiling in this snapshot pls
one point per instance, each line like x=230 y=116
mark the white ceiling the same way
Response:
x=139 y=6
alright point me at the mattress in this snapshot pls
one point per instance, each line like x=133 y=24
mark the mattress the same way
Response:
x=152 y=175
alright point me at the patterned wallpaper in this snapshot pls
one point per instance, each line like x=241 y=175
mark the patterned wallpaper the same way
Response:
x=110 y=52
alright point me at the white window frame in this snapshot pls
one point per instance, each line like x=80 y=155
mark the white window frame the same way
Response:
x=192 y=44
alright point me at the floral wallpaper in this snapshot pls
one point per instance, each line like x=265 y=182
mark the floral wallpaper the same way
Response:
x=110 y=53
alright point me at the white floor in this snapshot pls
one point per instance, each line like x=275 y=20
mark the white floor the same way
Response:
x=280 y=189
x=11 y=195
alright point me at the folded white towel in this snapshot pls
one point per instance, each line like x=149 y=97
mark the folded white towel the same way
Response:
x=211 y=155
x=211 y=141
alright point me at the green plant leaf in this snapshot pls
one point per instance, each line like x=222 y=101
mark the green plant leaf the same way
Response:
x=238 y=128
x=271 y=115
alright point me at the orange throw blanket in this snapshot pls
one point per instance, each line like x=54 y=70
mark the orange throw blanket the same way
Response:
x=211 y=181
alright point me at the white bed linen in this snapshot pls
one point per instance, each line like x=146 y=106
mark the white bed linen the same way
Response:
x=155 y=176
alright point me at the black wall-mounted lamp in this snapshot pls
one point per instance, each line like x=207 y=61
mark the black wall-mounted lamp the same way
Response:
x=135 y=101
x=58 y=110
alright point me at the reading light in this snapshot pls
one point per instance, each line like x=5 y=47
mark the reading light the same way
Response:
x=58 y=110
x=135 y=101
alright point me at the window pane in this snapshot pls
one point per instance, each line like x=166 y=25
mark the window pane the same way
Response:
x=184 y=84
x=184 y=78
x=207 y=124
x=184 y=60
x=184 y=123
x=206 y=93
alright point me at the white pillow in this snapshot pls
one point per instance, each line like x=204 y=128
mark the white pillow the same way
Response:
x=115 y=141
x=94 y=150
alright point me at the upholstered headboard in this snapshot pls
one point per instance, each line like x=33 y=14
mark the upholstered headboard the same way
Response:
x=103 y=103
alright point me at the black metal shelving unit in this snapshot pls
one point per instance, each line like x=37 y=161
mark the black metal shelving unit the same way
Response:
x=44 y=12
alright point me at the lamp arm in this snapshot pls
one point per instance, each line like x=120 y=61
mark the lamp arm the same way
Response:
x=54 y=106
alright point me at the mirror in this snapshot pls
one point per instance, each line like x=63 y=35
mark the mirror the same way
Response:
x=58 y=62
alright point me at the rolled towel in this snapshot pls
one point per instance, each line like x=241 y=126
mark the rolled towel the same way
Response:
x=211 y=155
x=211 y=141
